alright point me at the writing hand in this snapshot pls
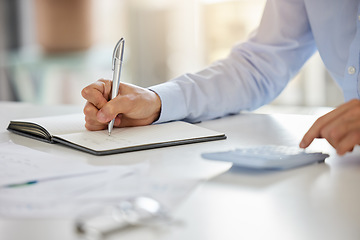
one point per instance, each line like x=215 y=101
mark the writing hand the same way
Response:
x=134 y=106
x=340 y=127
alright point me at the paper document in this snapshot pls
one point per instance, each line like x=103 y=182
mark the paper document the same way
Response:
x=67 y=188
x=19 y=165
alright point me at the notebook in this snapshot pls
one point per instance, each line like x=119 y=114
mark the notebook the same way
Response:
x=70 y=130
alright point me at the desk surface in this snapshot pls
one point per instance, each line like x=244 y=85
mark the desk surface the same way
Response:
x=319 y=201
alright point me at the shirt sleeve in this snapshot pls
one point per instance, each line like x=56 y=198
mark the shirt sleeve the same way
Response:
x=253 y=74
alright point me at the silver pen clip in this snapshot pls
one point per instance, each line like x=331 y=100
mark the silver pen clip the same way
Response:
x=118 y=52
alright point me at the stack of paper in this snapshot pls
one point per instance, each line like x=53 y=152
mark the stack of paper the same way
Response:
x=37 y=184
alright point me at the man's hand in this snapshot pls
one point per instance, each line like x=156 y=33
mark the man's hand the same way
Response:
x=340 y=127
x=134 y=106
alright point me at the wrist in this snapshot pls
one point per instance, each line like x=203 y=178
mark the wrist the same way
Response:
x=156 y=105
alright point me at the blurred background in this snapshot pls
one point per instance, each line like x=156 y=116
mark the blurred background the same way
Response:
x=50 y=49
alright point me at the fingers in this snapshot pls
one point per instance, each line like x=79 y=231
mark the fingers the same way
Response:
x=348 y=143
x=134 y=106
x=336 y=130
x=318 y=126
x=344 y=133
x=97 y=93
x=340 y=127
x=108 y=112
x=123 y=103
x=137 y=106
x=91 y=122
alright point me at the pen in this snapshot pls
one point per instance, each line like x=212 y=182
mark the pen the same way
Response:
x=116 y=67
x=21 y=184
x=36 y=181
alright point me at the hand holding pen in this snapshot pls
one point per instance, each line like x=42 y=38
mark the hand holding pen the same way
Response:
x=107 y=108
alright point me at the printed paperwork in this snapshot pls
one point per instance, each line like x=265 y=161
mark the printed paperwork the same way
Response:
x=38 y=184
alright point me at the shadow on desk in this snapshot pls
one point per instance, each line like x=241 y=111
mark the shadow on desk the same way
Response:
x=242 y=177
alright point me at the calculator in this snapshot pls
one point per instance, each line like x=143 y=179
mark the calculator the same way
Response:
x=268 y=157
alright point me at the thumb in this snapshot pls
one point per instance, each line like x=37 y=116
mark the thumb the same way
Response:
x=107 y=113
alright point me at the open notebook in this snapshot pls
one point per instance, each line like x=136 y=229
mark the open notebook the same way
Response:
x=70 y=130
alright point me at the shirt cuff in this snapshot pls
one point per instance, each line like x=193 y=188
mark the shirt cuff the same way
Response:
x=173 y=105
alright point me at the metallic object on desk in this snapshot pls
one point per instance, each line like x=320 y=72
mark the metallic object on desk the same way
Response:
x=139 y=211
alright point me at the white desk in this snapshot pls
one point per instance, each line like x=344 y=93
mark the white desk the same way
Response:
x=314 y=202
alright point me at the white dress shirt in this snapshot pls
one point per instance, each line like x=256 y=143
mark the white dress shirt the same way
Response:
x=256 y=71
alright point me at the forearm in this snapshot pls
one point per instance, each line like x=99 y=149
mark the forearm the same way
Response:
x=253 y=74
